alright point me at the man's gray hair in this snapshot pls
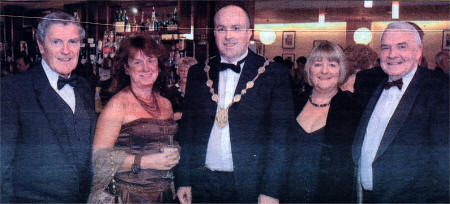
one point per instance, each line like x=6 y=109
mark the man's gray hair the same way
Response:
x=440 y=57
x=57 y=18
x=405 y=27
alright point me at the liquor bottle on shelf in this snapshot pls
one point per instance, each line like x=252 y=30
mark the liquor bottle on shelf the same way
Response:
x=127 y=24
x=133 y=25
x=119 y=25
x=162 y=24
x=172 y=21
x=148 y=25
x=154 y=21
x=142 y=27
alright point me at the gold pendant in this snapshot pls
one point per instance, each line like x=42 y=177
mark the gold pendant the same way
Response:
x=222 y=117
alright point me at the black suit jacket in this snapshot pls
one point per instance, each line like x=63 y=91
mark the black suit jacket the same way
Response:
x=39 y=164
x=335 y=177
x=258 y=127
x=412 y=162
x=366 y=82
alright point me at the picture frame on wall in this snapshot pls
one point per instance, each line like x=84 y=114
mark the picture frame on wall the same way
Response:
x=260 y=48
x=446 y=40
x=317 y=42
x=289 y=56
x=288 y=39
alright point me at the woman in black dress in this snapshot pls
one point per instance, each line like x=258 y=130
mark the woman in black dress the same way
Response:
x=321 y=166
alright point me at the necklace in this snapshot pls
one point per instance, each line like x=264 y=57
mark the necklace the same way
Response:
x=317 y=105
x=151 y=107
x=222 y=114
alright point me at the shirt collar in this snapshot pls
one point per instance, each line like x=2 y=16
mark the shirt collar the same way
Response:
x=407 y=79
x=222 y=60
x=52 y=75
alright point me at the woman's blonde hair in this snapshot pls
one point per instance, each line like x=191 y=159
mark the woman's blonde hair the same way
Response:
x=331 y=52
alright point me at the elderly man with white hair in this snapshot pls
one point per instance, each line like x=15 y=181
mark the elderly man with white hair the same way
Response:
x=401 y=149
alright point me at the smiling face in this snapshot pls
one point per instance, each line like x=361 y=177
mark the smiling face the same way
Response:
x=325 y=74
x=61 y=48
x=232 y=32
x=143 y=70
x=399 y=53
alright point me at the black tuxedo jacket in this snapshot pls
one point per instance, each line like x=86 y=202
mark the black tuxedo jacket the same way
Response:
x=39 y=161
x=335 y=178
x=258 y=127
x=412 y=162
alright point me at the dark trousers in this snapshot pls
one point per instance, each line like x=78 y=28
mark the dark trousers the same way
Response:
x=368 y=196
x=213 y=187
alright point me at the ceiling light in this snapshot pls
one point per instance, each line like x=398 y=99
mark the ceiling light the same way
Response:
x=321 y=18
x=362 y=36
x=368 y=4
x=267 y=37
x=395 y=8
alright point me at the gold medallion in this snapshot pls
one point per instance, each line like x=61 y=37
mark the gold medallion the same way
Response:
x=222 y=117
x=222 y=114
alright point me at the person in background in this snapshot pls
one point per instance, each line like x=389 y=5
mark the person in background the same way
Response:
x=401 y=147
x=234 y=129
x=182 y=71
x=176 y=93
x=290 y=66
x=299 y=84
x=133 y=135
x=48 y=121
x=321 y=166
x=301 y=61
x=278 y=59
x=23 y=63
x=359 y=57
x=441 y=60
x=424 y=63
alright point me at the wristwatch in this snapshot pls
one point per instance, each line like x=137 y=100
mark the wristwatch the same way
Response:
x=136 y=167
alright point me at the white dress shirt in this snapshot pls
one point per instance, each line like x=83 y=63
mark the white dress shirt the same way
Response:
x=66 y=93
x=379 y=120
x=218 y=152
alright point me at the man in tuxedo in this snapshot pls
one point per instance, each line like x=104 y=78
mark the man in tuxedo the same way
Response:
x=235 y=120
x=401 y=146
x=48 y=121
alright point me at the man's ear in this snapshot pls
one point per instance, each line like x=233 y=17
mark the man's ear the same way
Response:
x=419 y=53
x=250 y=33
x=41 y=47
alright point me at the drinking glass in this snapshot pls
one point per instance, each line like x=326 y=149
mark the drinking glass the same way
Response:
x=171 y=147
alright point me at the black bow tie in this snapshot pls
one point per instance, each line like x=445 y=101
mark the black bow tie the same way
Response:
x=235 y=68
x=398 y=83
x=72 y=81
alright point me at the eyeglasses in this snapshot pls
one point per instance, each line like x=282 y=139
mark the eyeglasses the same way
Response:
x=234 y=28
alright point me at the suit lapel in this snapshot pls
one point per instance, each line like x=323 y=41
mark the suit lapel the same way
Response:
x=401 y=113
x=214 y=73
x=361 y=130
x=48 y=100
x=249 y=71
x=83 y=93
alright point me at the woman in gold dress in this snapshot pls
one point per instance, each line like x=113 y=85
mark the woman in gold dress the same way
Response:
x=133 y=144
